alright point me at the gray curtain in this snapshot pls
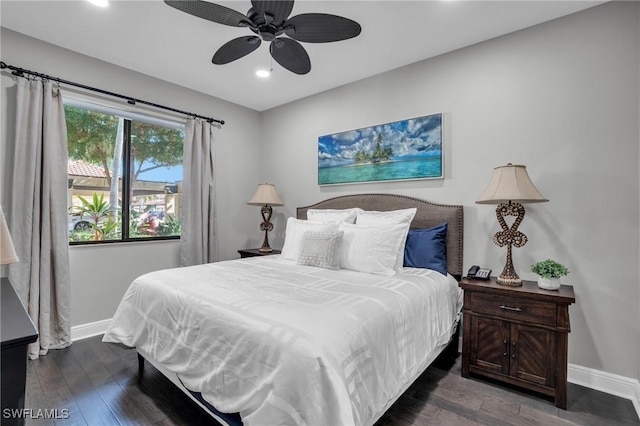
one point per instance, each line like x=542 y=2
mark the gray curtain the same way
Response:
x=197 y=240
x=38 y=213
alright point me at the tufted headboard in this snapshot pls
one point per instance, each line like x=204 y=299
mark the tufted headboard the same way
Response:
x=428 y=215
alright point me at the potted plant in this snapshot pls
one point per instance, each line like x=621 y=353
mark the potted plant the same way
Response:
x=549 y=272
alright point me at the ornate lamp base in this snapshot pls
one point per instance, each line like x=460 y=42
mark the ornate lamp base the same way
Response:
x=264 y=249
x=509 y=237
x=506 y=279
x=266 y=226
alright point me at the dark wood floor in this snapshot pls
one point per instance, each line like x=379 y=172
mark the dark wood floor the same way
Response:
x=98 y=384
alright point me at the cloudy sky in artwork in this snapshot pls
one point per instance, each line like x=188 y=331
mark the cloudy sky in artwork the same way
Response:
x=409 y=139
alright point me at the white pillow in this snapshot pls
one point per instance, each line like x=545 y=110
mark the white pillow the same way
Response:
x=294 y=235
x=321 y=249
x=372 y=249
x=374 y=218
x=330 y=215
x=366 y=217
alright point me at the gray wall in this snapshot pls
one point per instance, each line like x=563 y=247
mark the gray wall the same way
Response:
x=101 y=274
x=561 y=98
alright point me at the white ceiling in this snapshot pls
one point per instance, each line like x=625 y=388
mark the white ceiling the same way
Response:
x=155 y=39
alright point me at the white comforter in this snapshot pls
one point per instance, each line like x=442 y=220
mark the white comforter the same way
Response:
x=287 y=344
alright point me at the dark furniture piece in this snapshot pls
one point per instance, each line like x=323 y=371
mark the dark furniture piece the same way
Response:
x=517 y=335
x=255 y=252
x=17 y=332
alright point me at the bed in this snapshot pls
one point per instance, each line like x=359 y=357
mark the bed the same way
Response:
x=269 y=340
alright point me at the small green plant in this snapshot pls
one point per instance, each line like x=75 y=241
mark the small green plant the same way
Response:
x=549 y=269
x=80 y=235
x=105 y=230
x=97 y=209
x=170 y=226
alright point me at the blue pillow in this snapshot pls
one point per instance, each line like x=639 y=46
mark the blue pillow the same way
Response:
x=427 y=248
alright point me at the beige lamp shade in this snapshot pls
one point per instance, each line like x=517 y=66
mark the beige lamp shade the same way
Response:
x=266 y=195
x=510 y=183
x=7 y=251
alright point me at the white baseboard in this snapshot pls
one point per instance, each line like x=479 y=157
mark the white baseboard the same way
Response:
x=613 y=384
x=82 y=331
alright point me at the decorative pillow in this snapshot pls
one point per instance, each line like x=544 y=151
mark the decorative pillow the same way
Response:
x=372 y=249
x=321 y=249
x=375 y=218
x=427 y=248
x=330 y=215
x=294 y=235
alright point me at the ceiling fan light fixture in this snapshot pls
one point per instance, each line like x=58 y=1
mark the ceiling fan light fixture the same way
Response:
x=263 y=73
x=99 y=3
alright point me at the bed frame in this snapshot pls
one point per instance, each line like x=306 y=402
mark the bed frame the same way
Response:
x=428 y=215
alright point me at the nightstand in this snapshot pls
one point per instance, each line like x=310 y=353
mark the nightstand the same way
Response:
x=517 y=335
x=255 y=252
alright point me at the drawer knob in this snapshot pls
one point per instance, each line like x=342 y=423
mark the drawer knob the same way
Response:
x=509 y=308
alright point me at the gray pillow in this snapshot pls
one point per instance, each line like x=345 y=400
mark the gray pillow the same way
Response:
x=321 y=249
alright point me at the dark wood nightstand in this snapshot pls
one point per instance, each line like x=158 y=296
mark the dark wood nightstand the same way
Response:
x=255 y=252
x=517 y=335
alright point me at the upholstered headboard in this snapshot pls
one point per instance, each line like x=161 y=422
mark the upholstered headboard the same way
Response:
x=427 y=215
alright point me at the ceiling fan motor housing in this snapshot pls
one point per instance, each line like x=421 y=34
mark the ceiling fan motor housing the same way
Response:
x=264 y=25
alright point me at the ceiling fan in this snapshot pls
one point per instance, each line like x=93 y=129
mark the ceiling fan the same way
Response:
x=270 y=21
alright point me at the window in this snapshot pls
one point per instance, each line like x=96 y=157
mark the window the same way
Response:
x=124 y=175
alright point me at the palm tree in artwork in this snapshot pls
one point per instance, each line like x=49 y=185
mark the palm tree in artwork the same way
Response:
x=379 y=153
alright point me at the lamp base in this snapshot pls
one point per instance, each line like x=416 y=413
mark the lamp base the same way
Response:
x=509 y=280
x=509 y=236
x=266 y=226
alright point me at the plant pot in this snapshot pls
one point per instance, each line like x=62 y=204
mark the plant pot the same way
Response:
x=549 y=283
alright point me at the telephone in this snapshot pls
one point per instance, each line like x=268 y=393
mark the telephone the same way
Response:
x=479 y=273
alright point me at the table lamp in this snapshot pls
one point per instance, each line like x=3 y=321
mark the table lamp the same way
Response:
x=510 y=187
x=266 y=196
x=7 y=251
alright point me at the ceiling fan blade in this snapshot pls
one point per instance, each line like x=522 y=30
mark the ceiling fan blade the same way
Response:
x=321 y=28
x=211 y=12
x=235 y=49
x=291 y=55
x=279 y=9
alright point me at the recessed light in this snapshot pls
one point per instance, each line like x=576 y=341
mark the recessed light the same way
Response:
x=263 y=73
x=99 y=3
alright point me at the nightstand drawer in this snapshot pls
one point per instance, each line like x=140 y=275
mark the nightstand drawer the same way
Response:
x=531 y=311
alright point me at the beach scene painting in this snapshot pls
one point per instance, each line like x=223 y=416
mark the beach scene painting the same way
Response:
x=402 y=150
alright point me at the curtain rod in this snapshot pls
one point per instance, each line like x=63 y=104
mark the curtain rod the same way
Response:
x=17 y=71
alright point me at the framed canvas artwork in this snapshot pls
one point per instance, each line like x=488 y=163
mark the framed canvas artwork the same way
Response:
x=402 y=150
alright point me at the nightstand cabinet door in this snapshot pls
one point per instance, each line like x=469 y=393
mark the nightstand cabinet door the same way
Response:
x=532 y=354
x=490 y=344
